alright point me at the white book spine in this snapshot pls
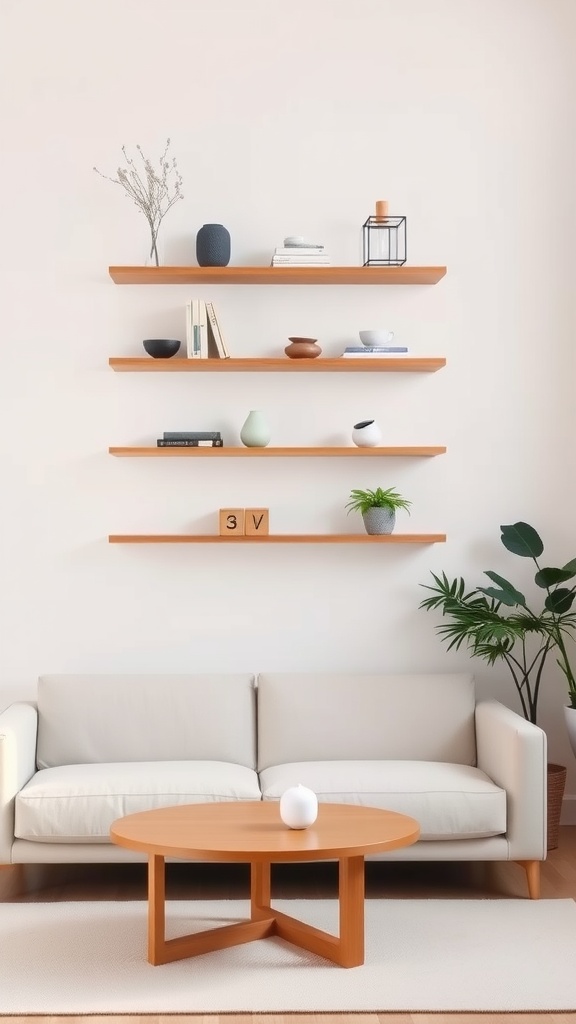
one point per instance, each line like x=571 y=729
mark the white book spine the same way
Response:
x=203 y=328
x=195 y=330
x=189 y=331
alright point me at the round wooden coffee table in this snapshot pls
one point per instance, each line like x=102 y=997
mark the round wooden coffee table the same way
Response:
x=253 y=832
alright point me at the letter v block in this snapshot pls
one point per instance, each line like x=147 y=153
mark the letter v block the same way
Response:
x=257 y=522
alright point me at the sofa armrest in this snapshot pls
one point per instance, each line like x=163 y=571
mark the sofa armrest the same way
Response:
x=513 y=754
x=18 y=729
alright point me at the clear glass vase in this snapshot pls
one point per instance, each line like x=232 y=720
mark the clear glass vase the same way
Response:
x=153 y=254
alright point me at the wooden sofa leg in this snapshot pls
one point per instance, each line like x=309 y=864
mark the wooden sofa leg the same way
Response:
x=532 y=869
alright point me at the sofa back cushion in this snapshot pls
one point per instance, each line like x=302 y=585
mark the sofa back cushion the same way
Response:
x=87 y=719
x=349 y=716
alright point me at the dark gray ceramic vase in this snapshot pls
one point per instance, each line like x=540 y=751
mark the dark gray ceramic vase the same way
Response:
x=213 y=246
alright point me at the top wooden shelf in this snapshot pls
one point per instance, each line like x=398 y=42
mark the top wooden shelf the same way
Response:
x=277 y=275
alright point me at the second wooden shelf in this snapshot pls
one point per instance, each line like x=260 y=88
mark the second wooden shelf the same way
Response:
x=366 y=364
x=124 y=451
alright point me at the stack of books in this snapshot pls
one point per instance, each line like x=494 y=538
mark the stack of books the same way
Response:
x=190 y=439
x=204 y=338
x=300 y=254
x=378 y=351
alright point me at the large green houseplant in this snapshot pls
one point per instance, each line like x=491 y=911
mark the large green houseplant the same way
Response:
x=498 y=624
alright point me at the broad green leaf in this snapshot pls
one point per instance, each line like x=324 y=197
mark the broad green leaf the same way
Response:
x=503 y=596
x=560 y=601
x=550 y=577
x=515 y=596
x=571 y=567
x=522 y=539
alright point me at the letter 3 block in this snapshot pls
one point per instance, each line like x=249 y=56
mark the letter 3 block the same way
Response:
x=231 y=522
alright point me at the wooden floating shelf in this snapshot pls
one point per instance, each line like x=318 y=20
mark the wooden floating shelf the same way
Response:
x=261 y=453
x=281 y=538
x=277 y=275
x=366 y=364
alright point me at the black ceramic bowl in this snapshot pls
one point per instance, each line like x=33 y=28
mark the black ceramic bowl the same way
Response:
x=161 y=348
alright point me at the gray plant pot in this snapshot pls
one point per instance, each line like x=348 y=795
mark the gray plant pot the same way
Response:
x=379 y=520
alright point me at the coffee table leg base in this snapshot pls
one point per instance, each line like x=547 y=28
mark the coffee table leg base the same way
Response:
x=206 y=942
x=346 y=950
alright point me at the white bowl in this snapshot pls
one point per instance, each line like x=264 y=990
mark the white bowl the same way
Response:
x=374 y=338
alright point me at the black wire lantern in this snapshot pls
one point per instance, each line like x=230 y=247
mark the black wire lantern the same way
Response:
x=383 y=239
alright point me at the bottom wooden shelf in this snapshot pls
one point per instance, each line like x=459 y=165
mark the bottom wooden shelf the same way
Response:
x=279 y=538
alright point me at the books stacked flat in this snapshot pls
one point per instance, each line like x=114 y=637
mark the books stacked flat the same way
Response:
x=374 y=351
x=297 y=252
x=190 y=439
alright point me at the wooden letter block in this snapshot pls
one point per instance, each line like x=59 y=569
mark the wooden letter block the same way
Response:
x=231 y=521
x=257 y=522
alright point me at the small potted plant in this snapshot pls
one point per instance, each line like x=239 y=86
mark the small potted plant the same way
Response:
x=378 y=508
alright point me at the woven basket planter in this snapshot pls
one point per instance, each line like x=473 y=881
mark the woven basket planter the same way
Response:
x=556 y=782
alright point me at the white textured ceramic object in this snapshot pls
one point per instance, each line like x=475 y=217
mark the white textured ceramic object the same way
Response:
x=374 y=338
x=298 y=807
x=366 y=434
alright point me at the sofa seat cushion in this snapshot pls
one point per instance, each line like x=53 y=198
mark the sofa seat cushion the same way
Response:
x=450 y=801
x=78 y=803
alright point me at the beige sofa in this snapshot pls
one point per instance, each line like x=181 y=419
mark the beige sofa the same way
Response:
x=96 y=747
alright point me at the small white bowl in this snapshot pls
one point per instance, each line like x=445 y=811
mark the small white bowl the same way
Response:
x=373 y=338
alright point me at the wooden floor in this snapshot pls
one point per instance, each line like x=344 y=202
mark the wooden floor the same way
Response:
x=316 y=881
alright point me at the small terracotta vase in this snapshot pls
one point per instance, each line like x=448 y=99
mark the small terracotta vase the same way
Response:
x=302 y=348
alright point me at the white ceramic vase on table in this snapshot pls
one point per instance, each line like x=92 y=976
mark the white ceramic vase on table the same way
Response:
x=298 y=807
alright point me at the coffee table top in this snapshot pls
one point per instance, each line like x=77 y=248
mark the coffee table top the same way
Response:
x=253 y=831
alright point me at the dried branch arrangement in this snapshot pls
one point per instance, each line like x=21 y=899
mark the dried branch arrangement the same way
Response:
x=153 y=192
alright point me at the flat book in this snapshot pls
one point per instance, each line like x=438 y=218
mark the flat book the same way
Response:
x=374 y=353
x=299 y=250
x=162 y=442
x=191 y=435
x=366 y=350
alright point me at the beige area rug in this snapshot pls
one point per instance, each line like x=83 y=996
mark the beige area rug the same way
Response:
x=421 y=955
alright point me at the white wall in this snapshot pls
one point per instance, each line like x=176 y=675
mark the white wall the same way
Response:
x=284 y=118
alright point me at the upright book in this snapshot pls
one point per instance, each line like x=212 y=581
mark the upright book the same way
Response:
x=196 y=329
x=189 y=331
x=216 y=344
x=202 y=329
